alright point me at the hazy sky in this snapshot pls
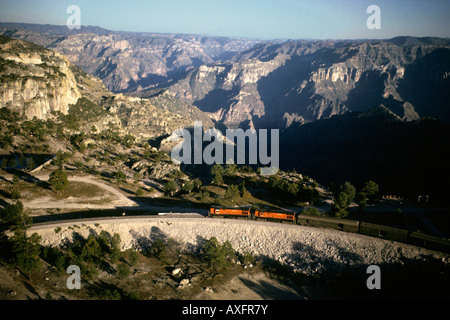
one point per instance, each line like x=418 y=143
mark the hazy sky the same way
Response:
x=267 y=19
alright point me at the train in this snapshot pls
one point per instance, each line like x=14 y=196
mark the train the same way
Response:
x=353 y=226
x=249 y=213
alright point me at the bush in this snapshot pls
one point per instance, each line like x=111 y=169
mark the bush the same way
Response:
x=230 y=169
x=197 y=184
x=123 y=270
x=245 y=169
x=203 y=196
x=133 y=257
x=217 y=171
x=218 y=256
x=120 y=176
x=232 y=193
x=158 y=249
x=340 y=205
x=311 y=211
x=247 y=258
x=170 y=188
x=188 y=186
x=15 y=194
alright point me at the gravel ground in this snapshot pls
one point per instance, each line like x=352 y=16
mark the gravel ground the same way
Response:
x=306 y=250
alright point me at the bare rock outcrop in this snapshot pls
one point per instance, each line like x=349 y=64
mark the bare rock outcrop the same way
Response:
x=34 y=81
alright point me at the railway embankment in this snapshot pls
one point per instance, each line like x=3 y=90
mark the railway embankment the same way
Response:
x=305 y=250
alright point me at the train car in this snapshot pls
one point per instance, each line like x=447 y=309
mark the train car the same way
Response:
x=384 y=232
x=429 y=242
x=327 y=222
x=218 y=211
x=369 y=229
x=275 y=215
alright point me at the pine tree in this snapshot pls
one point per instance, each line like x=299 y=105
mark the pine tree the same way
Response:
x=26 y=251
x=170 y=188
x=370 y=189
x=217 y=171
x=115 y=247
x=340 y=205
x=232 y=193
x=349 y=189
x=58 y=180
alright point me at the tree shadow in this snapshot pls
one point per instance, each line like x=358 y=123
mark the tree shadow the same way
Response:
x=344 y=275
x=106 y=291
x=268 y=291
x=144 y=243
x=197 y=247
x=6 y=195
x=25 y=176
x=32 y=290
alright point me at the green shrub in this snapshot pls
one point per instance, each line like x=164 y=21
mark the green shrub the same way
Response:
x=170 y=188
x=311 y=211
x=123 y=270
x=247 y=258
x=232 y=193
x=158 y=249
x=218 y=256
x=133 y=257
x=120 y=176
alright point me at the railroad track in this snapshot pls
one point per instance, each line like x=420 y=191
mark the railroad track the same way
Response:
x=111 y=218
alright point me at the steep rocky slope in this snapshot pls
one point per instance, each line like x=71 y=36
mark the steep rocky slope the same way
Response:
x=244 y=82
x=128 y=61
x=300 y=81
x=37 y=82
x=407 y=158
x=320 y=253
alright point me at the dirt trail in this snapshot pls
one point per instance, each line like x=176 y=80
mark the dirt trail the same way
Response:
x=121 y=200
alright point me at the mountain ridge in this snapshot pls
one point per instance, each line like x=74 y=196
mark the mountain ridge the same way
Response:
x=37 y=82
x=128 y=61
x=306 y=81
x=263 y=84
x=404 y=158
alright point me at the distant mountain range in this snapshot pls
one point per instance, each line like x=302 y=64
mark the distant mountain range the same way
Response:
x=245 y=82
x=274 y=85
x=347 y=110
x=128 y=61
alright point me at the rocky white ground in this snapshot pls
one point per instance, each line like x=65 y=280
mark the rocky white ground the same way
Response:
x=307 y=250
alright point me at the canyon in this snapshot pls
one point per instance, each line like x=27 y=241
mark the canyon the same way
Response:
x=262 y=84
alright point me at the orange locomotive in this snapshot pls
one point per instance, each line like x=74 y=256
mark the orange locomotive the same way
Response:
x=247 y=212
x=217 y=211
x=276 y=215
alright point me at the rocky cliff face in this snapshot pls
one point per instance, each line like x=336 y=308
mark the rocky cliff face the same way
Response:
x=130 y=61
x=298 y=81
x=35 y=81
x=247 y=83
x=155 y=116
x=227 y=92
